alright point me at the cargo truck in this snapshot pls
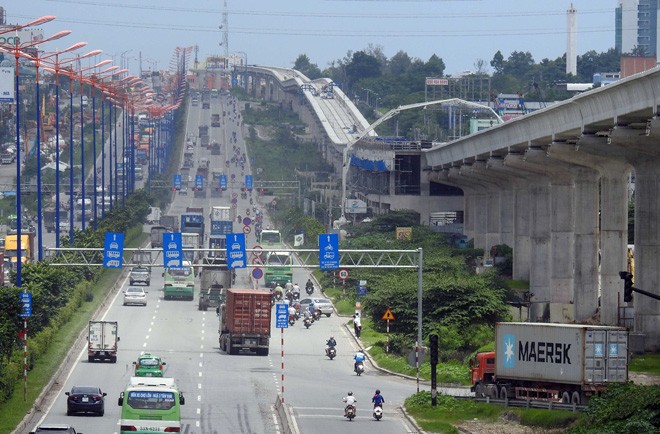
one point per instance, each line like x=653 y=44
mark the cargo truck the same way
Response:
x=190 y=240
x=566 y=363
x=102 y=341
x=245 y=321
x=171 y=222
x=213 y=284
x=27 y=248
x=157 y=236
x=215 y=120
x=193 y=221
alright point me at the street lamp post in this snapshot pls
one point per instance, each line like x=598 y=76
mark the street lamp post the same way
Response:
x=17 y=50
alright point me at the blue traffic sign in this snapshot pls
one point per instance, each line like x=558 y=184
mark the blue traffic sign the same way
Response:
x=177 y=181
x=236 y=257
x=282 y=315
x=172 y=250
x=25 y=299
x=113 y=250
x=248 y=182
x=222 y=182
x=199 y=182
x=328 y=251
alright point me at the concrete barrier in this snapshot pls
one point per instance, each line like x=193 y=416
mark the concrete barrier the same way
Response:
x=285 y=413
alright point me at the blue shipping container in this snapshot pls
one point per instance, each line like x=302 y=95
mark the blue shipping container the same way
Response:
x=221 y=227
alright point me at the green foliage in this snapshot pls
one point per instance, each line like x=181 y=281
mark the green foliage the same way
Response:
x=623 y=408
x=10 y=322
x=647 y=363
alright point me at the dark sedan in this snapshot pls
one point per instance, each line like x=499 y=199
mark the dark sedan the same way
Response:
x=85 y=399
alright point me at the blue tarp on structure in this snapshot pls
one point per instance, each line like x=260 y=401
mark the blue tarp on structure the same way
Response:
x=373 y=166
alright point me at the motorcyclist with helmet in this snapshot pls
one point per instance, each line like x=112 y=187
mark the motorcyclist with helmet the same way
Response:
x=330 y=343
x=350 y=400
x=359 y=358
x=378 y=399
x=279 y=292
x=309 y=286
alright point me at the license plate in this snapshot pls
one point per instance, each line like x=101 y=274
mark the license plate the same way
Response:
x=148 y=374
x=85 y=399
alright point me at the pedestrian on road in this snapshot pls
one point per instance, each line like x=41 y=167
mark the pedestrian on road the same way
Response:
x=357 y=325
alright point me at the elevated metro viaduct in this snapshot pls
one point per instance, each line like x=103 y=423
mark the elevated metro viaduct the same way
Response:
x=553 y=185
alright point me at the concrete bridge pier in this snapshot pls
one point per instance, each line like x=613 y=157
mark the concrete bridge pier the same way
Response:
x=493 y=218
x=473 y=202
x=600 y=239
x=520 y=209
x=540 y=252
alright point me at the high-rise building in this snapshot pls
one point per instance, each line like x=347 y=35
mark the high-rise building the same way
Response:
x=571 y=43
x=636 y=27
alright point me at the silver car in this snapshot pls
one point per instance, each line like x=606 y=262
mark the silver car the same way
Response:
x=134 y=295
x=323 y=304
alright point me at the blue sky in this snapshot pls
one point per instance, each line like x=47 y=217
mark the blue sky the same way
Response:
x=274 y=33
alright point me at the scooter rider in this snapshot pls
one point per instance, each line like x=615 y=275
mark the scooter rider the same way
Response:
x=359 y=358
x=349 y=400
x=292 y=312
x=279 y=292
x=296 y=291
x=309 y=286
x=378 y=399
x=330 y=343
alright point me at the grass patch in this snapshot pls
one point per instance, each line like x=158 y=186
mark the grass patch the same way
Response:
x=344 y=305
x=450 y=411
x=646 y=363
x=13 y=411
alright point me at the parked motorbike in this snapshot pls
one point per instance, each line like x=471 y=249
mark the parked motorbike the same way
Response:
x=307 y=322
x=331 y=352
x=350 y=412
x=378 y=412
x=359 y=368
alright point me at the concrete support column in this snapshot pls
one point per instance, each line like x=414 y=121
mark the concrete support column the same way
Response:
x=518 y=221
x=600 y=227
x=492 y=225
x=647 y=250
x=614 y=171
x=540 y=249
x=471 y=205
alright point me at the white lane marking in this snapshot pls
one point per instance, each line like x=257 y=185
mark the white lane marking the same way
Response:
x=201 y=346
x=199 y=411
x=200 y=364
x=197 y=424
x=149 y=331
x=144 y=345
x=147 y=337
x=200 y=373
x=201 y=355
x=202 y=331
x=199 y=385
x=199 y=398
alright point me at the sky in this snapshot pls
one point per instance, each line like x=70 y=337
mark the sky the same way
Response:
x=275 y=33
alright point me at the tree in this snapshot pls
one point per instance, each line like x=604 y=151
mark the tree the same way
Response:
x=435 y=67
x=400 y=63
x=362 y=66
x=304 y=65
x=498 y=62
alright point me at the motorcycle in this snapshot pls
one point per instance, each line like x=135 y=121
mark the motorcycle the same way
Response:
x=309 y=288
x=350 y=412
x=359 y=368
x=378 y=412
x=289 y=295
x=331 y=352
x=307 y=322
x=296 y=296
x=292 y=320
x=278 y=296
x=317 y=314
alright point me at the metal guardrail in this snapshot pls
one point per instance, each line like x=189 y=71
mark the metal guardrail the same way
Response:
x=548 y=405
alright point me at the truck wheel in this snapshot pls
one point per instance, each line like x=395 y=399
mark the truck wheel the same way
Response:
x=565 y=398
x=113 y=359
x=491 y=391
x=575 y=398
x=90 y=359
x=504 y=394
x=479 y=391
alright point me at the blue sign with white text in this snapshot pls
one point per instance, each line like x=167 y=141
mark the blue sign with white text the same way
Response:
x=328 y=251
x=177 y=181
x=199 y=182
x=222 y=182
x=113 y=250
x=25 y=299
x=172 y=250
x=282 y=315
x=236 y=257
x=248 y=182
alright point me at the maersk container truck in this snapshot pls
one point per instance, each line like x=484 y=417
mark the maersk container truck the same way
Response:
x=245 y=321
x=565 y=363
x=102 y=341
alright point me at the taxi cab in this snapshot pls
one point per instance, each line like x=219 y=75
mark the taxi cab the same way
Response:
x=148 y=365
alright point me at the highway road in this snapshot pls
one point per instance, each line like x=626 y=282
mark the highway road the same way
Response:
x=233 y=394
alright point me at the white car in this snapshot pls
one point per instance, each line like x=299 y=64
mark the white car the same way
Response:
x=134 y=295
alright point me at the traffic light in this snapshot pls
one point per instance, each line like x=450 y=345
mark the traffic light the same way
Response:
x=628 y=287
x=433 y=341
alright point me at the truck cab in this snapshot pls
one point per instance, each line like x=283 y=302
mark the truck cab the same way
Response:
x=482 y=368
